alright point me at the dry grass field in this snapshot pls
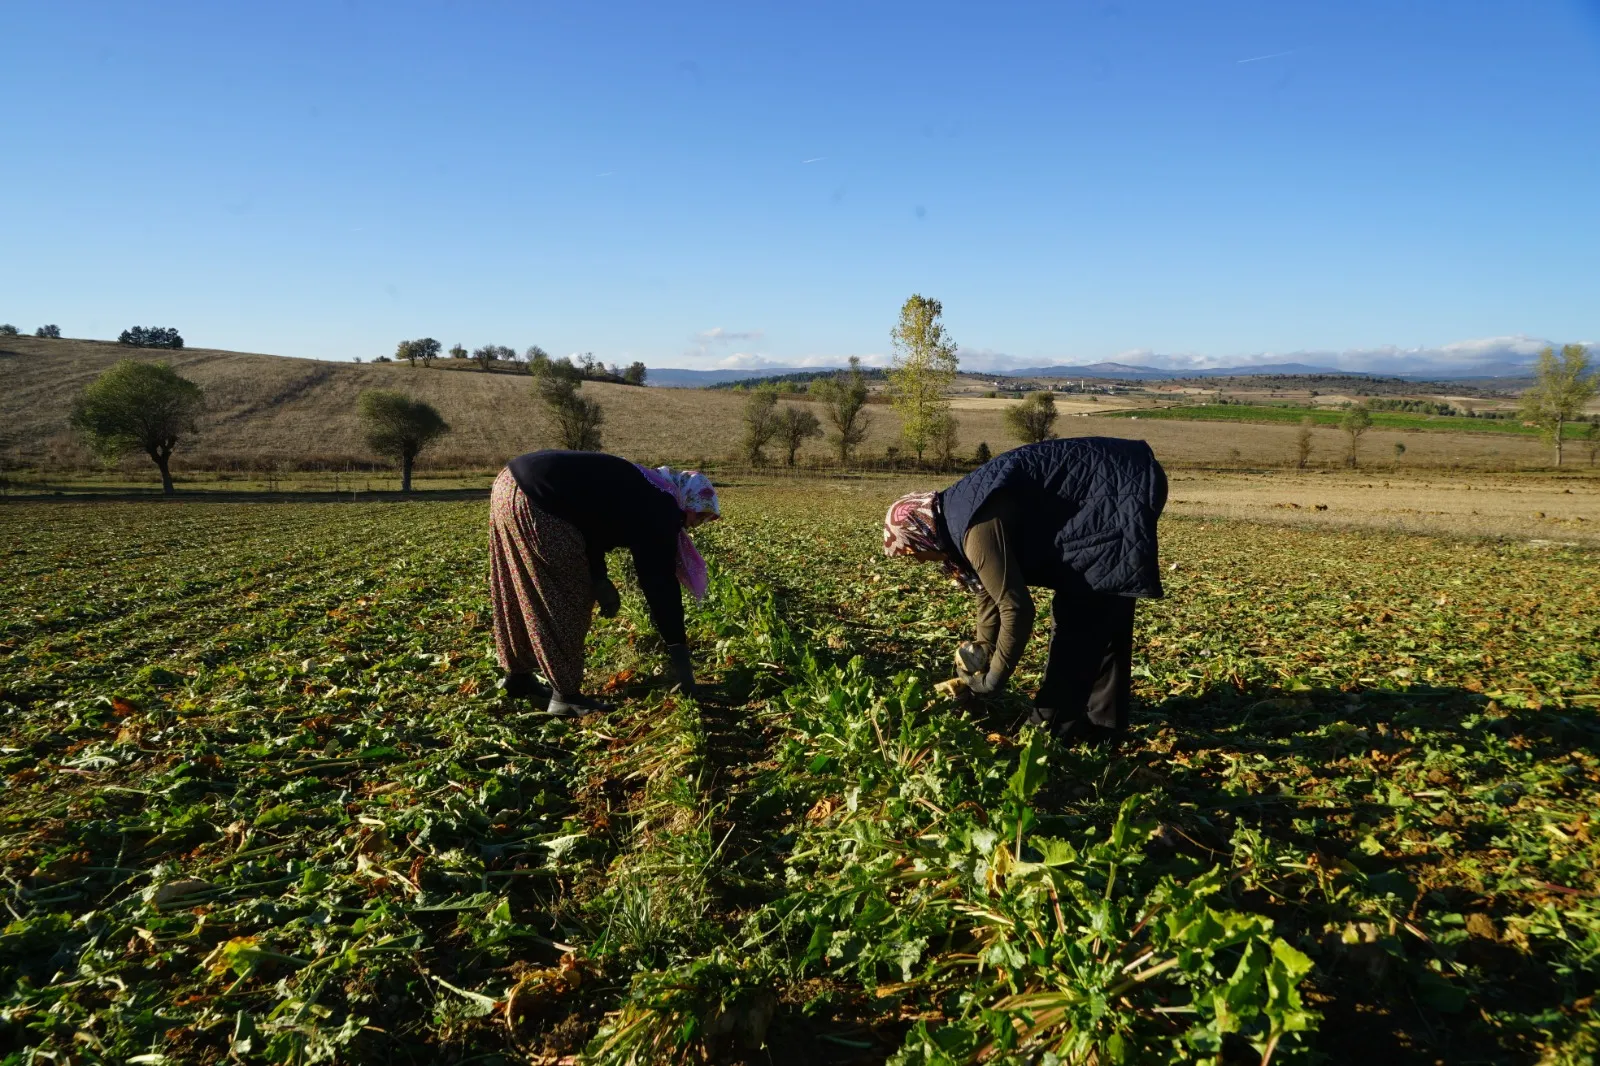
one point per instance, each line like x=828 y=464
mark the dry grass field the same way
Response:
x=266 y=410
x=1539 y=508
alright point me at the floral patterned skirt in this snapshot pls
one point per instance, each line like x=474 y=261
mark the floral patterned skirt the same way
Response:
x=539 y=587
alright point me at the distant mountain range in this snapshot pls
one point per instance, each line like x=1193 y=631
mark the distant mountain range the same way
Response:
x=673 y=377
x=1127 y=372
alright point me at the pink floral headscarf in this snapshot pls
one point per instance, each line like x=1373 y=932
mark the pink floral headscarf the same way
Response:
x=911 y=526
x=694 y=492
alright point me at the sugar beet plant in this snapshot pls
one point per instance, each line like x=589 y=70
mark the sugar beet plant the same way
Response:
x=926 y=874
x=265 y=804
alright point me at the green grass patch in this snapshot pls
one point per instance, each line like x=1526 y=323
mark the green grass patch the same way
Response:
x=1322 y=416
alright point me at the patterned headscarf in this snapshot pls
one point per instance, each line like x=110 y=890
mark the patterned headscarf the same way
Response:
x=692 y=491
x=910 y=527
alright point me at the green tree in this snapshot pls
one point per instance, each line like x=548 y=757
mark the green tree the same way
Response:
x=537 y=358
x=424 y=348
x=575 y=418
x=1399 y=450
x=760 y=423
x=135 y=406
x=1591 y=439
x=493 y=353
x=458 y=351
x=1302 y=443
x=796 y=425
x=1562 y=387
x=398 y=426
x=53 y=332
x=1034 y=419
x=1356 y=421
x=924 y=366
x=981 y=453
x=635 y=373
x=151 y=337
x=844 y=401
x=7 y=330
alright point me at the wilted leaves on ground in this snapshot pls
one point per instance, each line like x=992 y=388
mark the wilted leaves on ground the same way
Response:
x=263 y=799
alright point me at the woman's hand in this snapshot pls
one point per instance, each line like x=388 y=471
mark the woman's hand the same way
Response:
x=973 y=668
x=607 y=596
x=983 y=684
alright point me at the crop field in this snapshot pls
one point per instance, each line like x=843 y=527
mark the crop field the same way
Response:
x=264 y=803
x=1272 y=413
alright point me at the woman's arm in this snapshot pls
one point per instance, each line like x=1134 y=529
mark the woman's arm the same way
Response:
x=1005 y=609
x=658 y=580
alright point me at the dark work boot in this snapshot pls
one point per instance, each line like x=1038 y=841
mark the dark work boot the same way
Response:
x=1082 y=731
x=525 y=687
x=1070 y=731
x=575 y=706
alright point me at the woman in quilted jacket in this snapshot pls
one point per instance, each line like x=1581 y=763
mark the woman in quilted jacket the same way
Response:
x=1077 y=516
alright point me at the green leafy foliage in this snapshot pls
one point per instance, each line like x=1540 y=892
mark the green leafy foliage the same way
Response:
x=264 y=801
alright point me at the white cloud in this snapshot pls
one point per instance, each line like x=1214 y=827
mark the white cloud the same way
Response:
x=757 y=361
x=1492 y=354
x=718 y=335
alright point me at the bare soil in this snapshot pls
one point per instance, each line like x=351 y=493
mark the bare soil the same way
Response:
x=1540 y=509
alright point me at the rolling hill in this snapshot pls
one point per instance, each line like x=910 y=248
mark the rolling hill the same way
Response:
x=276 y=412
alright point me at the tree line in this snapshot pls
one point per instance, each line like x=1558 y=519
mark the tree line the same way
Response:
x=533 y=360
x=150 y=407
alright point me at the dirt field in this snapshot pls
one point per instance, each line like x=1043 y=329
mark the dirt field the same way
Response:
x=1539 y=509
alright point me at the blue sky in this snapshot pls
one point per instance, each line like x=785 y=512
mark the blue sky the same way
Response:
x=749 y=184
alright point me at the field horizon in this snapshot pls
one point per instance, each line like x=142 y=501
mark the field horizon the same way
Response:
x=269 y=412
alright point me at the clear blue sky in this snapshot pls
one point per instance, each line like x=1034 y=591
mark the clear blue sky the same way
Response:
x=1074 y=180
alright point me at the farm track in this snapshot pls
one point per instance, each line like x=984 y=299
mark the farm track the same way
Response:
x=282 y=795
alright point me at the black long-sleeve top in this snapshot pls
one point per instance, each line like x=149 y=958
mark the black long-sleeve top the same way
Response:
x=614 y=506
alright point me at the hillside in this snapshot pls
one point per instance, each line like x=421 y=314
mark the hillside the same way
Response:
x=266 y=410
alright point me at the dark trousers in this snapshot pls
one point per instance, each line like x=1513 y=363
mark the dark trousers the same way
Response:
x=1089 y=672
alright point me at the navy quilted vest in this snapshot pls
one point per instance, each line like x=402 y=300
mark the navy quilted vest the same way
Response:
x=1100 y=495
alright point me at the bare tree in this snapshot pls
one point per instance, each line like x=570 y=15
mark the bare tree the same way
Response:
x=576 y=418
x=796 y=425
x=760 y=424
x=844 y=402
x=944 y=439
x=137 y=406
x=1302 y=443
x=398 y=426
x=1562 y=387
